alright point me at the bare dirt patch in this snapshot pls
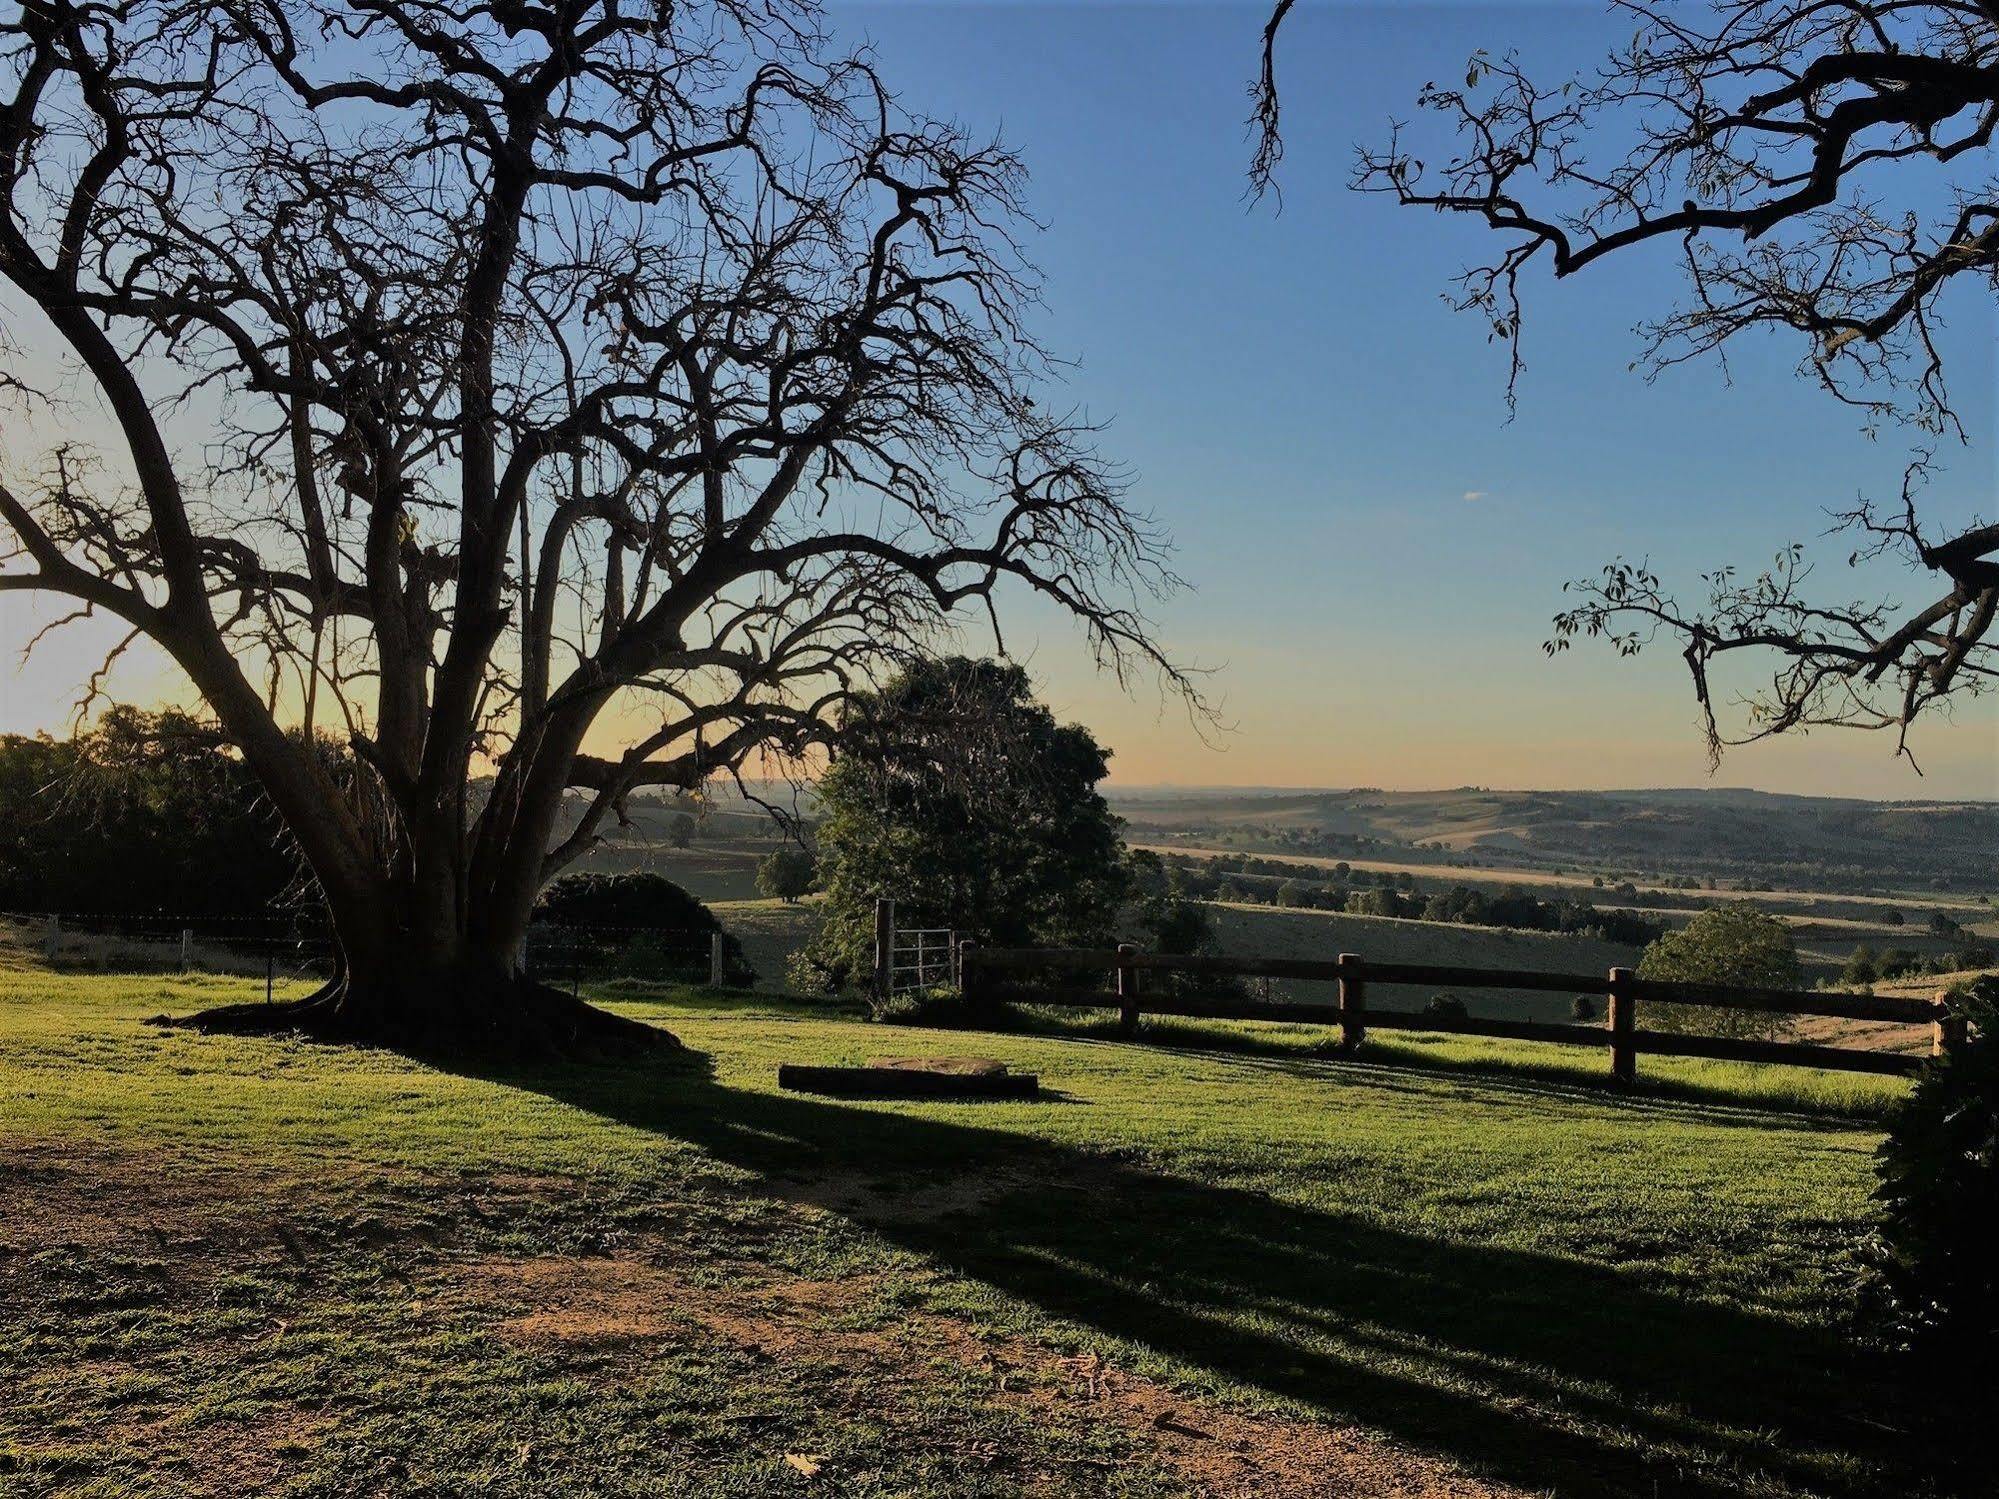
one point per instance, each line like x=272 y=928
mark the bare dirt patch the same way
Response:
x=1217 y=1451
x=193 y=1225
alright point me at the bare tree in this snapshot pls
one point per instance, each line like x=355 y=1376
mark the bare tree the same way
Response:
x=549 y=358
x=1757 y=138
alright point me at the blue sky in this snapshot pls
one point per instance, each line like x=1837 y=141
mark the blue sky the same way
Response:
x=1309 y=419
x=1307 y=416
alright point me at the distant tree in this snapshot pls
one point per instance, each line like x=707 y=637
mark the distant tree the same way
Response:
x=1735 y=943
x=1895 y=918
x=1294 y=893
x=787 y=874
x=1824 y=170
x=1897 y=962
x=956 y=794
x=680 y=831
x=146 y=813
x=1160 y=917
x=1584 y=1008
x=1861 y=967
x=1943 y=925
x=1446 y=1007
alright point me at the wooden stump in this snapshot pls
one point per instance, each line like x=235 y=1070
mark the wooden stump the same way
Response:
x=912 y=1077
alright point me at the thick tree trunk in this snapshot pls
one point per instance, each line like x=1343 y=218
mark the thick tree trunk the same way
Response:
x=457 y=998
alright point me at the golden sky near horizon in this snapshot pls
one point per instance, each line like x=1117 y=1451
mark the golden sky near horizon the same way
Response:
x=1367 y=718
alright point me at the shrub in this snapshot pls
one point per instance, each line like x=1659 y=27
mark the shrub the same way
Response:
x=1861 y=967
x=1446 y=1007
x=1933 y=1275
x=1584 y=1008
x=642 y=904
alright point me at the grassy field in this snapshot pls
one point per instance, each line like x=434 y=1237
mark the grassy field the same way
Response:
x=1446 y=1267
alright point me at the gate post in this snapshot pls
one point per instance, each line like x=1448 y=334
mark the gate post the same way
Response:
x=1950 y=1030
x=715 y=959
x=884 y=948
x=1127 y=990
x=1623 y=1021
x=970 y=983
x=52 y=937
x=186 y=948
x=1353 y=1000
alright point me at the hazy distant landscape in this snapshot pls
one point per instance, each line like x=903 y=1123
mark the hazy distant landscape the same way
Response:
x=1843 y=874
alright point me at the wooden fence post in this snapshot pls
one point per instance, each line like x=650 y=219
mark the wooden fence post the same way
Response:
x=1127 y=990
x=52 y=937
x=1623 y=1021
x=969 y=980
x=884 y=948
x=186 y=948
x=1949 y=1032
x=1353 y=1000
x=715 y=959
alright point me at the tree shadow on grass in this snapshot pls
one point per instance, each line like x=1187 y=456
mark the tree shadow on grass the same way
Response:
x=1547 y=1372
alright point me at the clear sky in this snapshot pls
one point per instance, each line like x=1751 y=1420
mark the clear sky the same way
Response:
x=1373 y=550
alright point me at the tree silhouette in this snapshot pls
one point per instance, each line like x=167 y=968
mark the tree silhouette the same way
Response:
x=1763 y=141
x=474 y=369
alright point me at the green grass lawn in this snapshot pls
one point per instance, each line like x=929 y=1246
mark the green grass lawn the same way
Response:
x=1447 y=1266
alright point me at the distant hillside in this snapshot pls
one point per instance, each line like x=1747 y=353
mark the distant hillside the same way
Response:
x=1827 y=842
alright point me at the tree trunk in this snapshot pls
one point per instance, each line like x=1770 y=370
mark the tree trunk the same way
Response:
x=461 y=995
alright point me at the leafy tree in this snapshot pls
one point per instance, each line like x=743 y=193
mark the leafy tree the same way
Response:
x=549 y=360
x=1584 y=1008
x=148 y=813
x=1161 y=916
x=1895 y=918
x=680 y=831
x=1736 y=943
x=957 y=795
x=787 y=874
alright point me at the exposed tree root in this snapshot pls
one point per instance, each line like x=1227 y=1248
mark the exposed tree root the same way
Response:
x=519 y=1019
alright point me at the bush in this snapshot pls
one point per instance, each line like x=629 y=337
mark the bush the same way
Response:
x=1933 y=1275
x=1584 y=1008
x=1446 y=1007
x=641 y=904
x=1861 y=967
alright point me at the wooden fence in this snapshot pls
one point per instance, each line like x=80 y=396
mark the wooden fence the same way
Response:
x=985 y=970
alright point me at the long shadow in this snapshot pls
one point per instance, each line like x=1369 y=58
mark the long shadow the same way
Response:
x=1576 y=1078
x=1549 y=1373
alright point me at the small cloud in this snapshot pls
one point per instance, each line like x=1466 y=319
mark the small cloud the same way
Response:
x=1476 y=494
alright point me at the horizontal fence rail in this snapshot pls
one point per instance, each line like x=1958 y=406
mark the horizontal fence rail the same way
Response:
x=1022 y=975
